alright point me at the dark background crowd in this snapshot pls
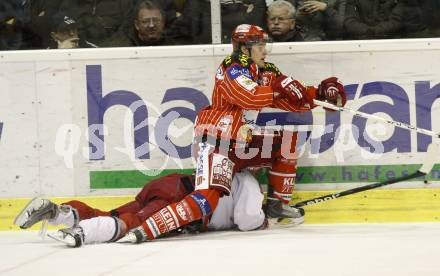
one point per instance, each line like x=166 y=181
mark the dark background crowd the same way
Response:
x=51 y=24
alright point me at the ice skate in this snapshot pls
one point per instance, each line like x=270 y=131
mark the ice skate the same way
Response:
x=136 y=235
x=36 y=210
x=281 y=214
x=72 y=237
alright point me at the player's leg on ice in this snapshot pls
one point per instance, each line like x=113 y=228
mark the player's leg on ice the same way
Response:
x=214 y=173
x=90 y=231
x=282 y=182
x=110 y=226
x=248 y=203
x=242 y=209
x=39 y=209
x=196 y=206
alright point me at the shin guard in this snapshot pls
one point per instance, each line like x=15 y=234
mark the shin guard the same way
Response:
x=282 y=179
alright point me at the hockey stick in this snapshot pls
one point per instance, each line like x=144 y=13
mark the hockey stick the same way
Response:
x=377 y=118
x=430 y=160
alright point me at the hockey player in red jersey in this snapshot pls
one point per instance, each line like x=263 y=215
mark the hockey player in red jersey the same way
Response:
x=108 y=225
x=87 y=225
x=227 y=135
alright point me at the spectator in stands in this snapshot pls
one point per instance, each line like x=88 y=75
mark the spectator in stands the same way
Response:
x=102 y=22
x=169 y=10
x=381 y=19
x=321 y=19
x=281 y=22
x=11 y=24
x=414 y=24
x=431 y=11
x=40 y=13
x=198 y=14
x=148 y=26
x=236 y=12
x=233 y=13
x=187 y=28
x=65 y=34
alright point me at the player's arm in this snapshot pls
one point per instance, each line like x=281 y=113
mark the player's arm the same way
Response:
x=268 y=76
x=295 y=96
x=292 y=95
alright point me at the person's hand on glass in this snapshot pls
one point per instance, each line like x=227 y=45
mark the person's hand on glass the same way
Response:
x=312 y=6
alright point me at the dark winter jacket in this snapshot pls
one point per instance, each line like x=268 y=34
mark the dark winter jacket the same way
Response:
x=376 y=19
x=292 y=36
x=132 y=40
x=100 y=21
x=322 y=25
x=12 y=18
x=39 y=25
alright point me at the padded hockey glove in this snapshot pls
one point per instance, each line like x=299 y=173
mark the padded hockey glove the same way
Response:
x=293 y=90
x=332 y=91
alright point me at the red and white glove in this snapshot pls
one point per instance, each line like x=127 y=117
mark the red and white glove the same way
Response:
x=293 y=90
x=332 y=91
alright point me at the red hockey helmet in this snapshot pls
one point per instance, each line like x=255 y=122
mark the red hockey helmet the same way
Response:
x=248 y=35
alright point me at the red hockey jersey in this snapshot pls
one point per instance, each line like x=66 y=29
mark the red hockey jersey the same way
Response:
x=241 y=90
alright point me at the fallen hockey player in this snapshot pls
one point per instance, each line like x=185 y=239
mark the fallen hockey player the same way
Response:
x=241 y=210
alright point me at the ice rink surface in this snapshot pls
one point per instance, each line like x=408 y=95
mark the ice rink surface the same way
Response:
x=337 y=249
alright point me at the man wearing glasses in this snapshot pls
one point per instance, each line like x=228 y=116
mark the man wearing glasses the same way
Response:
x=281 y=22
x=148 y=26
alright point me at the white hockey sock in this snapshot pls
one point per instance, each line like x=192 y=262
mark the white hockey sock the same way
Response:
x=66 y=215
x=100 y=229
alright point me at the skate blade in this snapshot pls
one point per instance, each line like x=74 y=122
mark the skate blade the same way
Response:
x=67 y=240
x=128 y=238
x=280 y=223
x=23 y=216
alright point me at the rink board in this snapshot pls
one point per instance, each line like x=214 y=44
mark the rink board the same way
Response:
x=76 y=122
x=375 y=206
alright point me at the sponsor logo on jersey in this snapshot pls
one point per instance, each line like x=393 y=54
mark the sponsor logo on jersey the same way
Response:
x=248 y=118
x=203 y=147
x=164 y=221
x=188 y=210
x=203 y=203
x=265 y=81
x=237 y=71
x=169 y=218
x=222 y=169
x=224 y=123
x=246 y=83
x=202 y=170
x=181 y=211
x=288 y=185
